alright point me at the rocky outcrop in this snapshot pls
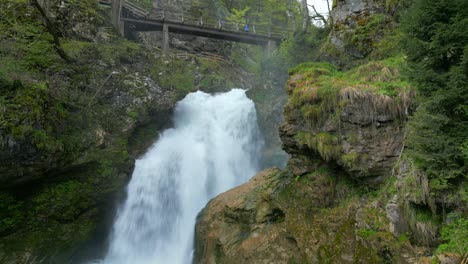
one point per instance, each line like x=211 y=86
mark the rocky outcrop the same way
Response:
x=275 y=218
x=338 y=128
x=358 y=26
x=241 y=226
x=135 y=98
x=358 y=126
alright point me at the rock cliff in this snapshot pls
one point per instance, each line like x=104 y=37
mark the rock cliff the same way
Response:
x=344 y=133
x=354 y=119
x=70 y=131
x=362 y=29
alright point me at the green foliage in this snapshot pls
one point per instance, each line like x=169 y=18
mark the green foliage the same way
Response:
x=366 y=233
x=302 y=47
x=365 y=35
x=318 y=69
x=238 y=16
x=41 y=55
x=389 y=45
x=267 y=12
x=11 y=213
x=63 y=202
x=19 y=21
x=455 y=236
x=175 y=74
x=5 y=81
x=423 y=224
x=436 y=46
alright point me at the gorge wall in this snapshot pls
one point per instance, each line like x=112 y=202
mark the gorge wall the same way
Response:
x=71 y=131
x=350 y=192
x=343 y=139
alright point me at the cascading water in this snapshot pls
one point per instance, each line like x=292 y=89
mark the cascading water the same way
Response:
x=214 y=146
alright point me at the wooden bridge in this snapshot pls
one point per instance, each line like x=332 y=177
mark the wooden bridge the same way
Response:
x=129 y=16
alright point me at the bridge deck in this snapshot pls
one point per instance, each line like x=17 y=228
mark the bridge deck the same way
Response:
x=140 y=24
x=139 y=19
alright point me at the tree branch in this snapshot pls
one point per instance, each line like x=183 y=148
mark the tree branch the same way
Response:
x=53 y=30
x=319 y=16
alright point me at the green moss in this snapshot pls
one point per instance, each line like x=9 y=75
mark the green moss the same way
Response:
x=366 y=233
x=321 y=92
x=64 y=201
x=133 y=115
x=175 y=74
x=327 y=145
x=40 y=55
x=318 y=68
x=365 y=254
x=311 y=112
x=350 y=159
x=368 y=31
x=31 y=114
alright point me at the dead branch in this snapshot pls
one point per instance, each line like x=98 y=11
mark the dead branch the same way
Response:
x=318 y=16
x=53 y=30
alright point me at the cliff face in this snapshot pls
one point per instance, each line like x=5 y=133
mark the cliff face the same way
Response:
x=131 y=99
x=70 y=131
x=344 y=133
x=362 y=29
x=354 y=119
x=275 y=218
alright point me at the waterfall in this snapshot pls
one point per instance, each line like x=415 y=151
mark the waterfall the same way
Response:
x=215 y=145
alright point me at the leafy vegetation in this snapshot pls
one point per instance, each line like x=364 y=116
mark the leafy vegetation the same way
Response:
x=455 y=236
x=11 y=213
x=437 y=50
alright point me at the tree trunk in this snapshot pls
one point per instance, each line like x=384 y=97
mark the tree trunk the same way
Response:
x=305 y=13
x=291 y=15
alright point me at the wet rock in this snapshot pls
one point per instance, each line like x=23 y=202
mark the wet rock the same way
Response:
x=243 y=226
x=276 y=219
x=449 y=258
x=394 y=214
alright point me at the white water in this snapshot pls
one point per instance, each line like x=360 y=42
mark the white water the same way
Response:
x=214 y=146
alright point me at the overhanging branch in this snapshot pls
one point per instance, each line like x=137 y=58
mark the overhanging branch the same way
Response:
x=53 y=30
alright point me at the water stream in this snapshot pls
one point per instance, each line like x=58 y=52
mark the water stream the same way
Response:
x=215 y=145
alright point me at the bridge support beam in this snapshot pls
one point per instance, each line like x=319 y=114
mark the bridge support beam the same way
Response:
x=271 y=47
x=165 y=40
x=116 y=6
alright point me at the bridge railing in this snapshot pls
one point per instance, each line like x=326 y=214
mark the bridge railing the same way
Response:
x=175 y=16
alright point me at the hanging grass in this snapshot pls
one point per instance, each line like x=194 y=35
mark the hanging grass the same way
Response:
x=377 y=87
